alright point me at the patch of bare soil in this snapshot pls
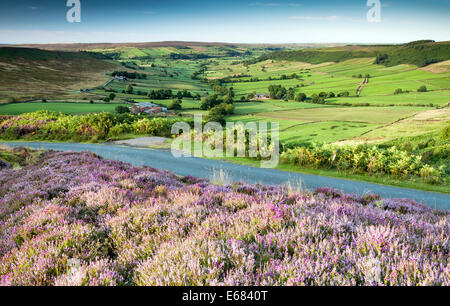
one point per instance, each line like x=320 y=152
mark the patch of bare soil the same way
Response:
x=144 y=142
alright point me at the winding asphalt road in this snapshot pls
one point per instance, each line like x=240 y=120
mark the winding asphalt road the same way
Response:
x=204 y=168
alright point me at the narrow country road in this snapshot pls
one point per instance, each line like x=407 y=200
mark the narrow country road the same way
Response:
x=205 y=168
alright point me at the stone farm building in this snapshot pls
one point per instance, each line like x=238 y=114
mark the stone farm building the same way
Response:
x=147 y=108
x=261 y=97
x=120 y=78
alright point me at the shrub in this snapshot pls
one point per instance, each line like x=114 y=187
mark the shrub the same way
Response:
x=398 y=91
x=300 y=97
x=363 y=159
x=175 y=104
x=317 y=99
x=445 y=134
x=122 y=109
x=218 y=113
x=343 y=94
x=129 y=89
x=44 y=125
x=422 y=89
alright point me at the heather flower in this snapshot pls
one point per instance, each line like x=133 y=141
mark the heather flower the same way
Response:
x=77 y=219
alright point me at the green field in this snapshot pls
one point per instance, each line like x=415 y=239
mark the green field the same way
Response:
x=62 y=107
x=271 y=106
x=437 y=98
x=332 y=124
x=186 y=104
x=299 y=122
x=172 y=67
x=338 y=77
x=375 y=116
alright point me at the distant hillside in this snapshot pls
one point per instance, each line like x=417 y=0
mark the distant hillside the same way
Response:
x=144 y=45
x=27 y=73
x=419 y=53
x=91 y=46
x=45 y=55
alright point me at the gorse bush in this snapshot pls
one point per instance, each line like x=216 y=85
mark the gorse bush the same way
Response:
x=364 y=159
x=44 y=125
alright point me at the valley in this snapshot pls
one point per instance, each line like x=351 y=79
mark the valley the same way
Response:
x=316 y=98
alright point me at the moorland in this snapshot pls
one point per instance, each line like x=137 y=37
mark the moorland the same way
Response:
x=75 y=219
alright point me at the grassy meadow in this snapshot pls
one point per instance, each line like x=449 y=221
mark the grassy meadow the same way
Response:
x=62 y=107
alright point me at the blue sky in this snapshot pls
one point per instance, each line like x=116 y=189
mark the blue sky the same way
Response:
x=237 y=21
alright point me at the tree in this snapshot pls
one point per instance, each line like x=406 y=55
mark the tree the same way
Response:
x=112 y=96
x=175 y=104
x=300 y=97
x=277 y=91
x=210 y=101
x=218 y=112
x=398 y=91
x=343 y=94
x=331 y=95
x=318 y=99
x=122 y=109
x=162 y=94
x=227 y=99
x=422 y=89
x=129 y=89
x=290 y=94
x=381 y=58
x=106 y=99
x=186 y=94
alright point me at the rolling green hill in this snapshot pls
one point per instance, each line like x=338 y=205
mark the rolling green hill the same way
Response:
x=419 y=53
